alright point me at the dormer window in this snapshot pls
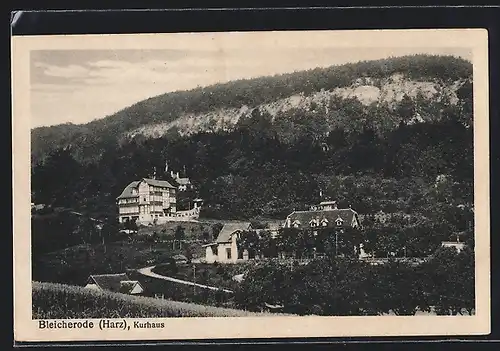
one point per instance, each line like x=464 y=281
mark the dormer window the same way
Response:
x=339 y=221
x=296 y=224
x=313 y=223
x=324 y=222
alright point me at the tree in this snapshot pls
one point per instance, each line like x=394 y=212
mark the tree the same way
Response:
x=398 y=289
x=452 y=276
x=155 y=237
x=249 y=240
x=54 y=181
x=86 y=230
x=287 y=240
x=406 y=108
x=206 y=236
x=267 y=244
x=178 y=235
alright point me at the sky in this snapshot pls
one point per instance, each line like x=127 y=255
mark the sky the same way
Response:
x=80 y=85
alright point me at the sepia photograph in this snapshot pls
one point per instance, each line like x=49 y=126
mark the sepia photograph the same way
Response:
x=285 y=175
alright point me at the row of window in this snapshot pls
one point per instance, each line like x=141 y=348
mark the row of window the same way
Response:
x=131 y=200
x=127 y=210
x=153 y=191
x=317 y=223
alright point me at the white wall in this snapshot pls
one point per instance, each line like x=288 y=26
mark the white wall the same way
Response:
x=210 y=257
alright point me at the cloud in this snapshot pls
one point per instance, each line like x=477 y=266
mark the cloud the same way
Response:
x=71 y=71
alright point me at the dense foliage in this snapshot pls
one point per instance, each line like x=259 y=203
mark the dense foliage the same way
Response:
x=332 y=286
x=246 y=175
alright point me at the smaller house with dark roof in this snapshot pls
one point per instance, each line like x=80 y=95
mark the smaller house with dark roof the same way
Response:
x=119 y=283
x=225 y=248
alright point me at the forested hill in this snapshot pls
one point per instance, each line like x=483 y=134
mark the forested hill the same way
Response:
x=370 y=94
x=406 y=151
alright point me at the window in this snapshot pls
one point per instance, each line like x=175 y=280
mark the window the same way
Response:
x=228 y=253
x=339 y=221
x=324 y=222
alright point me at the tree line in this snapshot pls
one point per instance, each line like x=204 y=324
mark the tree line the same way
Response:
x=444 y=285
x=245 y=175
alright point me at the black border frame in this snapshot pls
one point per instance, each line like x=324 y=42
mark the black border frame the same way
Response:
x=119 y=21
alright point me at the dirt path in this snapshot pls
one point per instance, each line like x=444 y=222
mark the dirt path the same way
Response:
x=147 y=271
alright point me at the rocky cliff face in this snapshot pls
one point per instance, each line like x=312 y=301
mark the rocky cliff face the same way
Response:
x=368 y=91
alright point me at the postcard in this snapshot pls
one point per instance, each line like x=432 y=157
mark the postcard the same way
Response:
x=248 y=185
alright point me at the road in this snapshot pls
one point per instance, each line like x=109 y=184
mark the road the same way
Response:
x=147 y=271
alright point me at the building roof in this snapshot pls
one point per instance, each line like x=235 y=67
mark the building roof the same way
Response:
x=229 y=228
x=118 y=282
x=160 y=183
x=273 y=226
x=127 y=192
x=328 y=202
x=304 y=217
x=126 y=286
x=183 y=181
x=454 y=243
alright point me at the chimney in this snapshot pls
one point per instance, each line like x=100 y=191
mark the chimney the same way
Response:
x=177 y=175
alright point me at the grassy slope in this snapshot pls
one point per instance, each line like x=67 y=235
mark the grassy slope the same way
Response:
x=58 y=301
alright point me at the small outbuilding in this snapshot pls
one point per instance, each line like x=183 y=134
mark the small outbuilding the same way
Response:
x=118 y=282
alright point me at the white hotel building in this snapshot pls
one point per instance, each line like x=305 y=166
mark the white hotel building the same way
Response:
x=147 y=201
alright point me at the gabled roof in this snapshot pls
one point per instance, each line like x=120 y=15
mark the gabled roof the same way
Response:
x=126 y=286
x=127 y=192
x=229 y=228
x=160 y=183
x=304 y=217
x=111 y=282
